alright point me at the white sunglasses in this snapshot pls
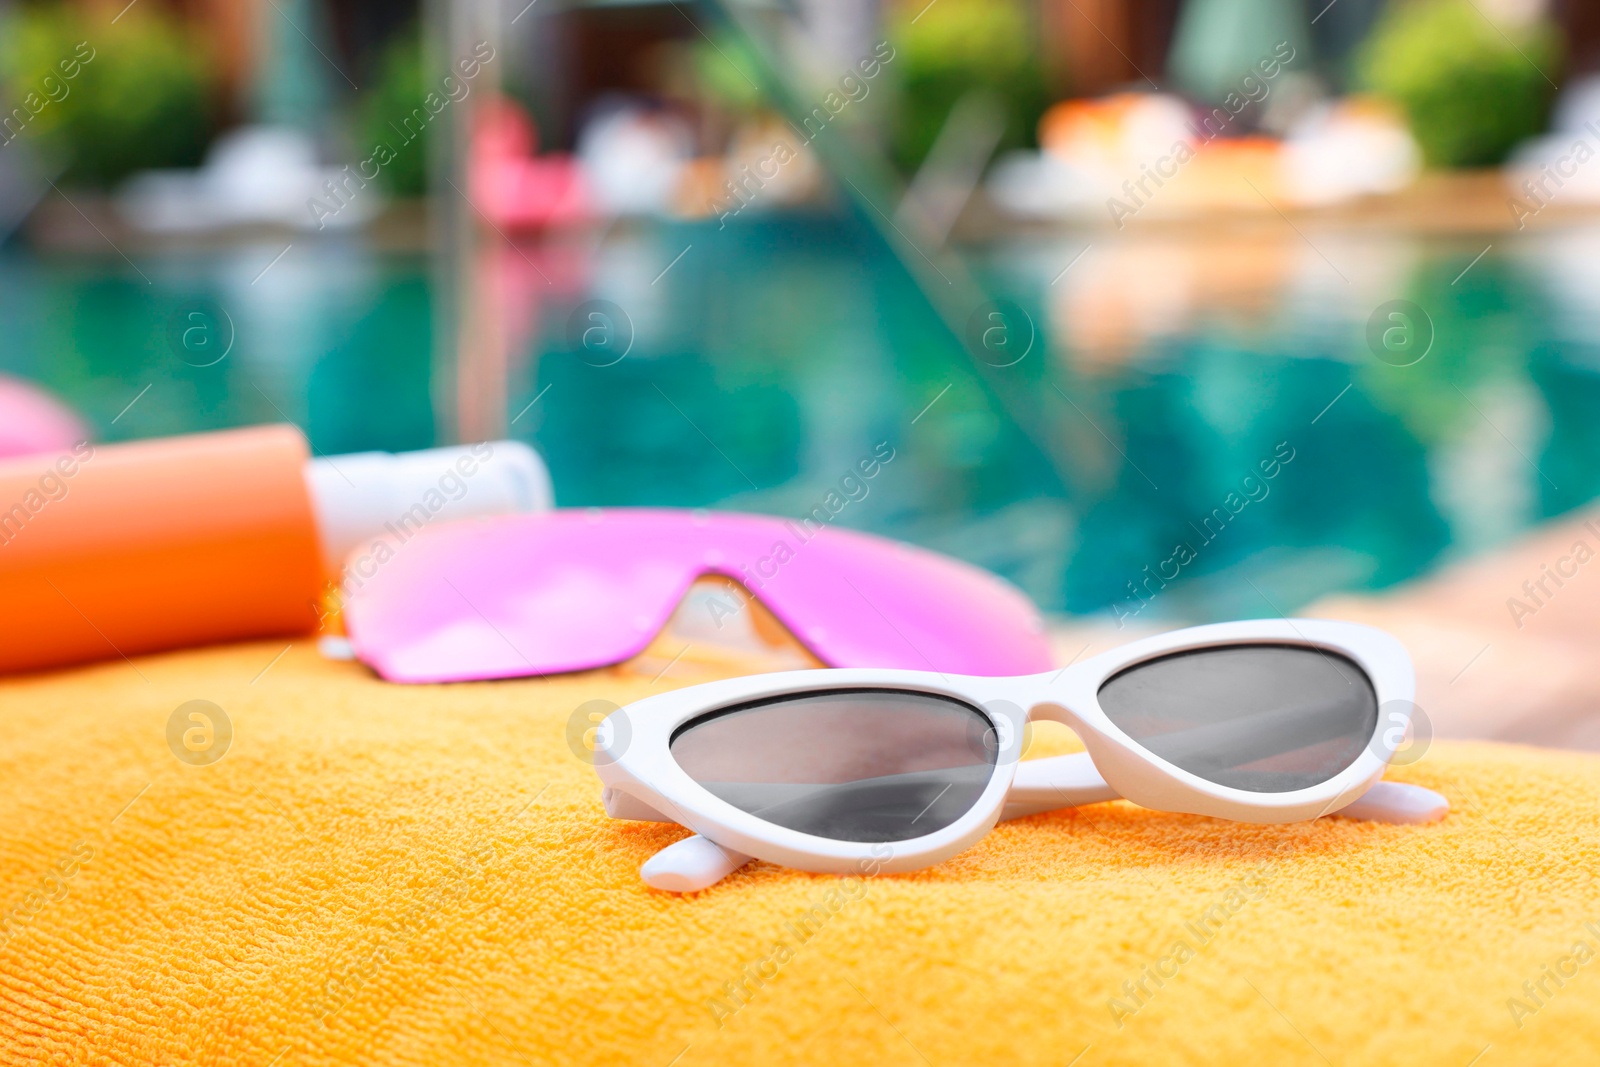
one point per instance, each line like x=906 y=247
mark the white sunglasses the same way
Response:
x=867 y=771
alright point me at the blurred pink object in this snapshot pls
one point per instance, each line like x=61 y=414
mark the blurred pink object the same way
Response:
x=31 y=420
x=572 y=590
x=512 y=186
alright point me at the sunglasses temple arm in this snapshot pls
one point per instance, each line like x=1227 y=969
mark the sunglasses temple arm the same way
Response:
x=1397 y=802
x=1053 y=783
x=1039 y=786
x=1058 y=782
x=691 y=864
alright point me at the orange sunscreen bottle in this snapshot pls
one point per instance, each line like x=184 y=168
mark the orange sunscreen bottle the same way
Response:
x=116 y=550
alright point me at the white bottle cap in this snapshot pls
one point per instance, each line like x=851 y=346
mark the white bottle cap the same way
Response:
x=368 y=495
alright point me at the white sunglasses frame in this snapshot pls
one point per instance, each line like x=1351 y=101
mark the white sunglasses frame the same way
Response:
x=642 y=781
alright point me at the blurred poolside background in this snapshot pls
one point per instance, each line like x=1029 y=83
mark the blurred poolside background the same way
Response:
x=1085 y=264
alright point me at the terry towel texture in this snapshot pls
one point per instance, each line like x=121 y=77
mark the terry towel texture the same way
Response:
x=383 y=874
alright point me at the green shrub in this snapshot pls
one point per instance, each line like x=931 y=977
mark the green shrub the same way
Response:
x=400 y=88
x=1470 y=89
x=138 y=98
x=725 y=72
x=953 y=47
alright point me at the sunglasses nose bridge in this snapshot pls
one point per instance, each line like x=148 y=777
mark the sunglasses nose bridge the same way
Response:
x=1050 y=697
x=1050 y=708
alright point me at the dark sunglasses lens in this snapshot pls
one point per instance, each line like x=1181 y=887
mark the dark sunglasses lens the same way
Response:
x=1267 y=718
x=850 y=765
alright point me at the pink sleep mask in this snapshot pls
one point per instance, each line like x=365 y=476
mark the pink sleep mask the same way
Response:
x=33 y=421
x=573 y=590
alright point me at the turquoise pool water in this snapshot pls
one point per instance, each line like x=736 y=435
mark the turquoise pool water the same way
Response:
x=1227 y=443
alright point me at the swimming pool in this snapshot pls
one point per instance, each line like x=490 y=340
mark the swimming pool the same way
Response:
x=1200 y=424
